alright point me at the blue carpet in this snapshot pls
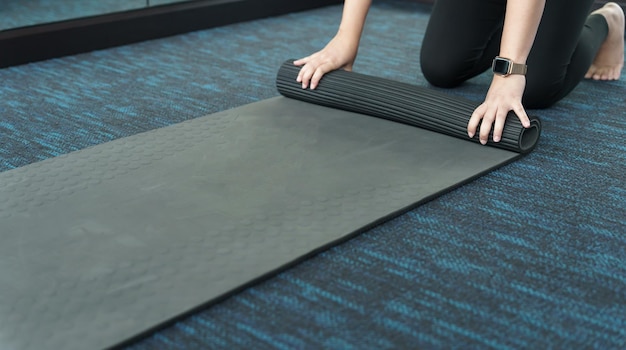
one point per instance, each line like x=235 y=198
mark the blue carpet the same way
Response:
x=532 y=255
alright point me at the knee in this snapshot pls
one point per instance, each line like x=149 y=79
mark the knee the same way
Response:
x=439 y=71
x=539 y=96
x=536 y=101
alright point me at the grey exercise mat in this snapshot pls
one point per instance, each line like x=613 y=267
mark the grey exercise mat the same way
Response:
x=105 y=243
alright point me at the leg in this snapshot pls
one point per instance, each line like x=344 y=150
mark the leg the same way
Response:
x=609 y=60
x=566 y=43
x=461 y=40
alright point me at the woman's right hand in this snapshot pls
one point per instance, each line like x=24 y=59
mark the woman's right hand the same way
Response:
x=340 y=52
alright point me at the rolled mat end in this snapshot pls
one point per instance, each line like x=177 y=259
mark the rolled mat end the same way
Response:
x=404 y=103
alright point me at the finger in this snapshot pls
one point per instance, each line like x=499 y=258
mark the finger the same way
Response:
x=523 y=117
x=485 y=126
x=301 y=61
x=474 y=120
x=303 y=64
x=499 y=125
x=305 y=75
x=317 y=76
x=300 y=74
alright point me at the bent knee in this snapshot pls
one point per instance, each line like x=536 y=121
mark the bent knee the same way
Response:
x=540 y=96
x=440 y=72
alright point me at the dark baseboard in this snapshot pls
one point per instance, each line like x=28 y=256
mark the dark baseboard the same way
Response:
x=41 y=42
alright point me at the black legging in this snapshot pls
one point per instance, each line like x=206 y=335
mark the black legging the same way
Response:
x=463 y=37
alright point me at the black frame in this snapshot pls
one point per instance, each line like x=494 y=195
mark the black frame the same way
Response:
x=45 y=41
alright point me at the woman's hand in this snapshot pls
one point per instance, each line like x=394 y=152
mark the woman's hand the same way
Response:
x=340 y=52
x=504 y=95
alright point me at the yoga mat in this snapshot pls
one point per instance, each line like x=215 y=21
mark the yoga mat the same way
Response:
x=404 y=103
x=104 y=244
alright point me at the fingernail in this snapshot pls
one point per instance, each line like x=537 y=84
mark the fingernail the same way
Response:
x=496 y=139
x=470 y=135
x=484 y=142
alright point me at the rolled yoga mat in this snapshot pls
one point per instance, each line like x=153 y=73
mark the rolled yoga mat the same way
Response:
x=404 y=103
x=108 y=243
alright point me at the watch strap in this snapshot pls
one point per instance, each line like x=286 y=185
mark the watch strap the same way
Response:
x=518 y=68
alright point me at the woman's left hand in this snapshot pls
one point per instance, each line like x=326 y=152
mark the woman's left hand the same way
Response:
x=504 y=95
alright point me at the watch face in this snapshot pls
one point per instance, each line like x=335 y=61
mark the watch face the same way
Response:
x=500 y=66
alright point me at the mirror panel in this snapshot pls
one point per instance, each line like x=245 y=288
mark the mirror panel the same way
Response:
x=163 y=2
x=23 y=13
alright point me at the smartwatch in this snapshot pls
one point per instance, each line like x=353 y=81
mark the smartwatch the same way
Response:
x=505 y=67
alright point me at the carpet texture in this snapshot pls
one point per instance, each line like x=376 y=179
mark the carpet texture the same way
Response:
x=532 y=255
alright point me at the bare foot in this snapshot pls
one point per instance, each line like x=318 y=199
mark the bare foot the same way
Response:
x=609 y=60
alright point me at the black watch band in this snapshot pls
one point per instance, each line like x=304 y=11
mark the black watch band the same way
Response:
x=504 y=66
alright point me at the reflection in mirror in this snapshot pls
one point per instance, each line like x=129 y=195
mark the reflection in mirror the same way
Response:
x=163 y=2
x=22 y=13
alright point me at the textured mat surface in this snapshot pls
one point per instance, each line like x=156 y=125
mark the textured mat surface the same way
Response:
x=404 y=103
x=110 y=241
